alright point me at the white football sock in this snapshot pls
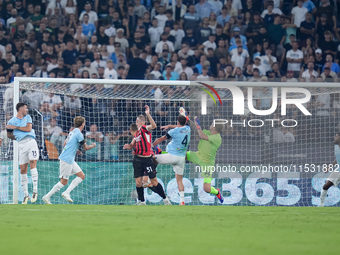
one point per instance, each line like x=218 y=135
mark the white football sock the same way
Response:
x=323 y=197
x=34 y=174
x=73 y=184
x=55 y=189
x=181 y=194
x=24 y=184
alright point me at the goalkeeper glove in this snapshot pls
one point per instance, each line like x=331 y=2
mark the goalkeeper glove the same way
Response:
x=183 y=113
x=197 y=123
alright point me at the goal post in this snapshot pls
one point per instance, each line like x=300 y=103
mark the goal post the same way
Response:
x=276 y=142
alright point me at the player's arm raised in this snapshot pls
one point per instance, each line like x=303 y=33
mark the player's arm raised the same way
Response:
x=199 y=130
x=152 y=122
x=28 y=128
x=169 y=126
x=159 y=140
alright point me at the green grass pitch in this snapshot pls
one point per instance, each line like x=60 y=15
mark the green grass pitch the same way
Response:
x=96 y=230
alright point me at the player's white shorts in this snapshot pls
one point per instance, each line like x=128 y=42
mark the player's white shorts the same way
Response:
x=334 y=177
x=66 y=170
x=28 y=150
x=177 y=162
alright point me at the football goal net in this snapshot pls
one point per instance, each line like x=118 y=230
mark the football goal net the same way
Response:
x=277 y=141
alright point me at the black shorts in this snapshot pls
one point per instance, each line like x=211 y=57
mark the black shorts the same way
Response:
x=143 y=166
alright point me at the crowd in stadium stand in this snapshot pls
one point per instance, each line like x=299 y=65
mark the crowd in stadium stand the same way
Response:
x=198 y=40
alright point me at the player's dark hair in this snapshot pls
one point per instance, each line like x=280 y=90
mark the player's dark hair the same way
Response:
x=133 y=127
x=219 y=128
x=78 y=121
x=182 y=120
x=19 y=105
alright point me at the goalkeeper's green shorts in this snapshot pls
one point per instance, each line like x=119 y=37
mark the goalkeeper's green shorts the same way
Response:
x=193 y=157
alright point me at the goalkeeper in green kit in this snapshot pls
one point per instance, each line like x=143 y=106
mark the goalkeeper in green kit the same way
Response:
x=206 y=154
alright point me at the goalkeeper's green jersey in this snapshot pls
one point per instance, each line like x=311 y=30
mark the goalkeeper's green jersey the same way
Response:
x=207 y=149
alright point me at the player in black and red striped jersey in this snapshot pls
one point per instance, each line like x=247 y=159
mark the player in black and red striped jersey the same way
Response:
x=142 y=160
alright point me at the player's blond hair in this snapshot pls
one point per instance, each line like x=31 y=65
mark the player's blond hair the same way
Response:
x=78 y=121
x=141 y=118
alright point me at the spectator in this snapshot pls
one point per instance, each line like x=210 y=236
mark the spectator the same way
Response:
x=224 y=17
x=124 y=44
x=70 y=54
x=277 y=71
x=204 y=31
x=97 y=61
x=61 y=68
x=307 y=28
x=111 y=144
x=257 y=64
x=47 y=112
x=294 y=58
x=178 y=10
x=94 y=136
x=179 y=34
x=161 y=17
x=290 y=76
x=191 y=19
x=42 y=73
x=254 y=27
x=190 y=39
x=328 y=75
x=299 y=13
x=328 y=11
x=169 y=74
x=55 y=134
x=329 y=46
x=159 y=45
x=209 y=44
x=271 y=10
x=92 y=15
x=256 y=75
x=139 y=9
x=136 y=66
x=88 y=28
x=240 y=59
x=248 y=73
x=231 y=10
x=268 y=59
x=334 y=66
x=323 y=104
x=321 y=27
x=277 y=35
x=110 y=72
x=54 y=101
x=236 y=34
x=310 y=6
x=309 y=72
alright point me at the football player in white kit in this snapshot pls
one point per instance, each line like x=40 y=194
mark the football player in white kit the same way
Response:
x=20 y=128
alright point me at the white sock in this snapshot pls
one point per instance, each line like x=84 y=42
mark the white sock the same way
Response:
x=24 y=184
x=55 y=189
x=34 y=174
x=73 y=184
x=323 y=196
x=181 y=194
